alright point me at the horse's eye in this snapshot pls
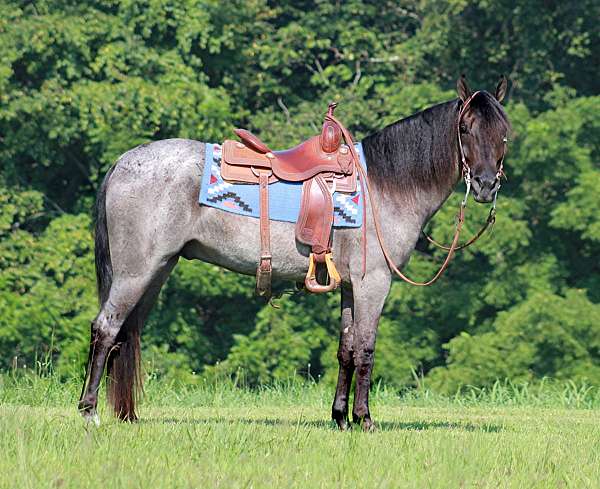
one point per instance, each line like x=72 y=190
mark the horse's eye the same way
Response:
x=464 y=129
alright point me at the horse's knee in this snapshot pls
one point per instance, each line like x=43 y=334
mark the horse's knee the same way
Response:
x=363 y=360
x=345 y=359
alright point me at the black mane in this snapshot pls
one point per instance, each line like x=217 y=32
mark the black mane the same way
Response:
x=420 y=152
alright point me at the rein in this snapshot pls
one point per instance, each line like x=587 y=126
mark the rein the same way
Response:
x=454 y=246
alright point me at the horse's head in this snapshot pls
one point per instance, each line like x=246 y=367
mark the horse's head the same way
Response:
x=482 y=134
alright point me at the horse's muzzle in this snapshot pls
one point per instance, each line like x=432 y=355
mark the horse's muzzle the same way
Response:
x=484 y=190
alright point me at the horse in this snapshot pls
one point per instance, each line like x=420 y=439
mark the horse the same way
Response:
x=148 y=216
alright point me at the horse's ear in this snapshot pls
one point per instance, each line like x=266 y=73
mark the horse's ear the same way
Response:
x=464 y=92
x=501 y=89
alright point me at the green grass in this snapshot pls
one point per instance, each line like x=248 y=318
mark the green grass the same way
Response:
x=221 y=436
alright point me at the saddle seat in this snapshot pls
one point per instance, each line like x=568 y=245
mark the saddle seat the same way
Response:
x=303 y=161
x=323 y=164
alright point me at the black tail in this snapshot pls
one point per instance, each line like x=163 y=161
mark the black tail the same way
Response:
x=104 y=269
x=123 y=379
x=123 y=365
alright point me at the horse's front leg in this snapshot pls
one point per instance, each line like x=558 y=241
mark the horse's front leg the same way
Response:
x=369 y=297
x=339 y=410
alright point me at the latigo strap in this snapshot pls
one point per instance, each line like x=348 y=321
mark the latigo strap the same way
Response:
x=264 y=270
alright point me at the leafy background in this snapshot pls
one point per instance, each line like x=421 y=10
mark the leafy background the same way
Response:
x=81 y=82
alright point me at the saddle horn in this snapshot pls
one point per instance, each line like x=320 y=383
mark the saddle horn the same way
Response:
x=331 y=134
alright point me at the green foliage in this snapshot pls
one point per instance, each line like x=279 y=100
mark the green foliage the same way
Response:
x=535 y=44
x=190 y=323
x=82 y=82
x=286 y=341
x=47 y=293
x=544 y=335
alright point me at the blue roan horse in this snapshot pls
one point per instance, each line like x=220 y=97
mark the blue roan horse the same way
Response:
x=148 y=217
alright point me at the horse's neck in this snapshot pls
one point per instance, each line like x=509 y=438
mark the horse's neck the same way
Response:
x=402 y=217
x=406 y=206
x=430 y=202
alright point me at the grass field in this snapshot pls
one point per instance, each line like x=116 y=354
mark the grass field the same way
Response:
x=221 y=436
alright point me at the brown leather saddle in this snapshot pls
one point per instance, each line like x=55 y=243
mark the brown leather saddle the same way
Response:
x=325 y=164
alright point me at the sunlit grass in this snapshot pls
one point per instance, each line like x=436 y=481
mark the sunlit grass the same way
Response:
x=215 y=434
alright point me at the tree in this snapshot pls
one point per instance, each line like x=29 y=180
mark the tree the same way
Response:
x=83 y=82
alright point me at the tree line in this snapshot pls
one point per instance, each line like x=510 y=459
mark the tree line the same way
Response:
x=81 y=82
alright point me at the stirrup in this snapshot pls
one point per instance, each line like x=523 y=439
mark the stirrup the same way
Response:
x=310 y=281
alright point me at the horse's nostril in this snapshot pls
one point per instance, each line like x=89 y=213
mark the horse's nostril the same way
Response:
x=485 y=182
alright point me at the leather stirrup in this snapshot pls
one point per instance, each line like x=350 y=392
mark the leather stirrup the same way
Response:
x=310 y=281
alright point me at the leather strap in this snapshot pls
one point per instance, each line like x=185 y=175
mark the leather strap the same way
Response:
x=491 y=219
x=321 y=222
x=264 y=270
x=386 y=254
x=365 y=183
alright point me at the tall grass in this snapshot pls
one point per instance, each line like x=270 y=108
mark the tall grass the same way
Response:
x=44 y=387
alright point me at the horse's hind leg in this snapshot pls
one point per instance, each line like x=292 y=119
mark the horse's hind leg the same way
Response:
x=128 y=303
x=122 y=299
x=339 y=410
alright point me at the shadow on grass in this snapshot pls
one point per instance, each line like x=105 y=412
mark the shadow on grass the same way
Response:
x=330 y=425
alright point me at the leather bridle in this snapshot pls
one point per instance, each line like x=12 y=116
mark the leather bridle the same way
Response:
x=466 y=175
x=454 y=246
x=466 y=169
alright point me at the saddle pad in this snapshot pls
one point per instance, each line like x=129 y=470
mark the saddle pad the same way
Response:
x=284 y=197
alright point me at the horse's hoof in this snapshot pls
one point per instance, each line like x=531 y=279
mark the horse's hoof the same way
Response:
x=91 y=418
x=343 y=424
x=368 y=426
x=89 y=413
x=365 y=423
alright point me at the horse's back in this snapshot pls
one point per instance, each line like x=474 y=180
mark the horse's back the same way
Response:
x=161 y=162
x=153 y=214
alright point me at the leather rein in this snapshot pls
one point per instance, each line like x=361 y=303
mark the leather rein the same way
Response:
x=454 y=246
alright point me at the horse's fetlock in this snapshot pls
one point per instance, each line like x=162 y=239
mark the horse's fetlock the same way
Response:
x=88 y=403
x=360 y=413
x=338 y=412
x=340 y=415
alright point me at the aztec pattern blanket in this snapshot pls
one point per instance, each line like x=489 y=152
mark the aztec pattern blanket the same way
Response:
x=284 y=197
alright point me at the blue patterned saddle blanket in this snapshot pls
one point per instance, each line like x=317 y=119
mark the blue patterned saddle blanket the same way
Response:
x=284 y=197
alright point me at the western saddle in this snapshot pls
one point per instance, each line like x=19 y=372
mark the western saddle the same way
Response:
x=324 y=164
